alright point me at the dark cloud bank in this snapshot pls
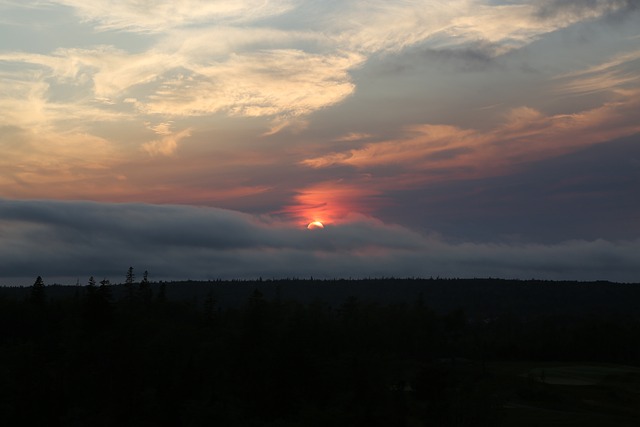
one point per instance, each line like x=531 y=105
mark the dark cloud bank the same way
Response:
x=63 y=241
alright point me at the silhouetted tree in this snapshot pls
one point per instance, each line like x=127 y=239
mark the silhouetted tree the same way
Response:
x=144 y=289
x=290 y=363
x=128 y=283
x=104 y=290
x=37 y=295
x=91 y=293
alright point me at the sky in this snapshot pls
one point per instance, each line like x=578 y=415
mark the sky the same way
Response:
x=198 y=139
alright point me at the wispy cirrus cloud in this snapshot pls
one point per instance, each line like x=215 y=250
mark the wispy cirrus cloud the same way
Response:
x=267 y=83
x=227 y=64
x=162 y=15
x=436 y=152
x=274 y=64
x=47 y=91
x=617 y=75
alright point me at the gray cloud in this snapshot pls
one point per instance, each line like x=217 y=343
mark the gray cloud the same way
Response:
x=579 y=8
x=65 y=240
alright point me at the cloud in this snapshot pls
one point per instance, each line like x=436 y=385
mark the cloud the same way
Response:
x=353 y=136
x=162 y=15
x=276 y=83
x=373 y=26
x=61 y=162
x=579 y=9
x=501 y=28
x=168 y=143
x=220 y=44
x=208 y=57
x=435 y=152
x=618 y=75
x=332 y=202
x=382 y=26
x=195 y=62
x=586 y=194
x=267 y=83
x=426 y=154
x=65 y=240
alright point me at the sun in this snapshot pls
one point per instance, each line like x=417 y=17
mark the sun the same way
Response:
x=315 y=225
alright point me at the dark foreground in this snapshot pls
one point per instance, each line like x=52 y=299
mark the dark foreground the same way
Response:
x=309 y=353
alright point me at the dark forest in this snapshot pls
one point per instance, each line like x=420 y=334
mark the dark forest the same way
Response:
x=378 y=352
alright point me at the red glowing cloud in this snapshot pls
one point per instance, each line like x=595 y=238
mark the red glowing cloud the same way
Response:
x=331 y=202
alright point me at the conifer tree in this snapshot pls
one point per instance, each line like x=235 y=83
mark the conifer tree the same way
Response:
x=91 y=290
x=145 y=289
x=37 y=295
x=128 y=283
x=104 y=291
x=130 y=276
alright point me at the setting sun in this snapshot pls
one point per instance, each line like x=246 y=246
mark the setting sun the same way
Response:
x=315 y=225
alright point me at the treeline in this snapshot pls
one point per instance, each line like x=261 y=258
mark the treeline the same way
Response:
x=132 y=356
x=478 y=297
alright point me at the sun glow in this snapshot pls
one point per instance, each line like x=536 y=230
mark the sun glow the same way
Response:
x=315 y=225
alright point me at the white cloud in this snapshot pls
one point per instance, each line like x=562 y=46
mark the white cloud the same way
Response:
x=161 y=128
x=168 y=143
x=379 y=25
x=44 y=90
x=158 y=16
x=212 y=56
x=511 y=26
x=616 y=75
x=266 y=83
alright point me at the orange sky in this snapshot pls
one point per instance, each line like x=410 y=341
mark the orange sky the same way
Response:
x=199 y=138
x=300 y=110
